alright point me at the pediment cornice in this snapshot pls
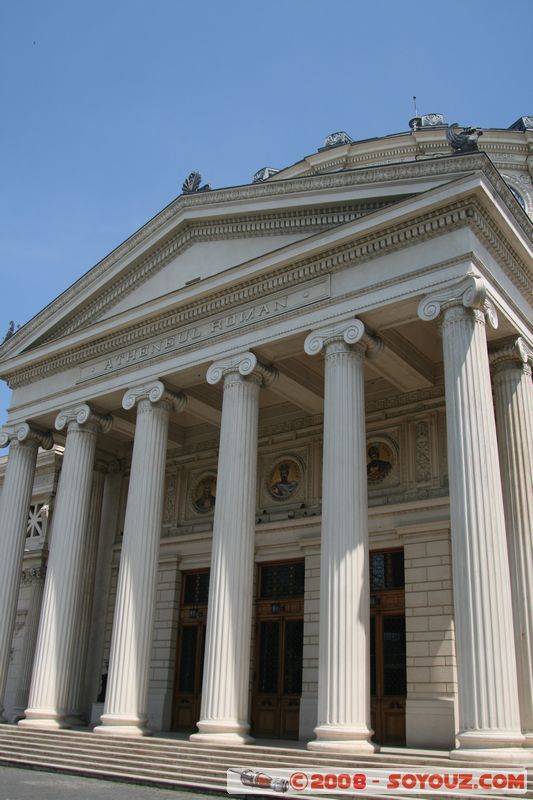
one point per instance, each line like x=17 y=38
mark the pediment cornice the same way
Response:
x=302 y=221
x=468 y=212
x=187 y=205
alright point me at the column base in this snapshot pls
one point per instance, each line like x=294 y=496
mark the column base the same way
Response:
x=529 y=739
x=121 y=725
x=343 y=739
x=50 y=722
x=505 y=747
x=222 y=732
x=497 y=756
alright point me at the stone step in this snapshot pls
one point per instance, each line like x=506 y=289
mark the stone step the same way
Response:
x=191 y=753
x=169 y=762
x=171 y=746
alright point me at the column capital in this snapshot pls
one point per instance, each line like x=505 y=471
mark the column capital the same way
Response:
x=26 y=433
x=82 y=414
x=155 y=392
x=516 y=352
x=350 y=331
x=244 y=364
x=470 y=291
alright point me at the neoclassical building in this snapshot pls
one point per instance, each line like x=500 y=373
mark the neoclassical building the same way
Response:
x=269 y=469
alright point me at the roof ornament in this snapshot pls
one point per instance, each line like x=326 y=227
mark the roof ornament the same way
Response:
x=11 y=330
x=192 y=183
x=426 y=121
x=522 y=124
x=264 y=174
x=465 y=142
x=334 y=139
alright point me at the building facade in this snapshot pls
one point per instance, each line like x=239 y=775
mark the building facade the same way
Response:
x=269 y=469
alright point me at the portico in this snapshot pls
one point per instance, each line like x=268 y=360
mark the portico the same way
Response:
x=321 y=396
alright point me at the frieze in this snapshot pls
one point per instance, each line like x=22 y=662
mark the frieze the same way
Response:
x=172 y=342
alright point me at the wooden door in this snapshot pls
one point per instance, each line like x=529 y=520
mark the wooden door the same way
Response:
x=190 y=651
x=387 y=650
x=278 y=652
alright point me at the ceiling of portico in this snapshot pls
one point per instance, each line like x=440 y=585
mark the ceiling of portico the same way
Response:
x=298 y=390
x=411 y=360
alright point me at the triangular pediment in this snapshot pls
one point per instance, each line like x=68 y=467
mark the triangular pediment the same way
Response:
x=200 y=244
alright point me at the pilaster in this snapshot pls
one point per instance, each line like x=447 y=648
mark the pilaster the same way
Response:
x=62 y=601
x=33 y=580
x=513 y=400
x=24 y=441
x=224 y=711
x=489 y=721
x=127 y=686
x=344 y=641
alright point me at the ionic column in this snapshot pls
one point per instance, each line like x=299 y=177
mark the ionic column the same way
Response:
x=489 y=720
x=24 y=443
x=513 y=400
x=35 y=578
x=58 y=632
x=129 y=664
x=226 y=681
x=77 y=701
x=344 y=636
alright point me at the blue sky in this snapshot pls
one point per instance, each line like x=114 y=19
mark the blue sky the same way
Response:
x=107 y=106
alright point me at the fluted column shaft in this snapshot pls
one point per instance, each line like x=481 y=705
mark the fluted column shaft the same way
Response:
x=14 y=508
x=129 y=664
x=225 y=688
x=513 y=399
x=77 y=701
x=58 y=634
x=35 y=578
x=344 y=641
x=110 y=511
x=489 y=720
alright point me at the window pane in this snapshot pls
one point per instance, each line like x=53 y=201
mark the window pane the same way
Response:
x=394 y=673
x=269 y=657
x=292 y=668
x=282 y=580
x=189 y=636
x=196 y=589
x=372 y=655
x=386 y=571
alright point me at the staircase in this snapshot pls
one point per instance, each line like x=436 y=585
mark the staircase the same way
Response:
x=171 y=763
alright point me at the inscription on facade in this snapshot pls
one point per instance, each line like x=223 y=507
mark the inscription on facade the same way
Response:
x=206 y=329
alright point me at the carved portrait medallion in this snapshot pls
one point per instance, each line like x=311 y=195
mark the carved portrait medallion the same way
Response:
x=284 y=478
x=379 y=463
x=204 y=494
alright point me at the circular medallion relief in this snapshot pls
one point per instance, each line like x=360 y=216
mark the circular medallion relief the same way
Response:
x=204 y=494
x=379 y=462
x=284 y=478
